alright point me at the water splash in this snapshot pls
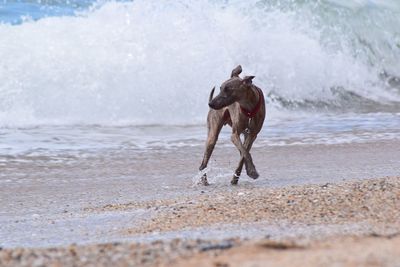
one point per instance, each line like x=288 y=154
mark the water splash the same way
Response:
x=146 y=62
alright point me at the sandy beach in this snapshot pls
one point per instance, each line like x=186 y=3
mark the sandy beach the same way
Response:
x=354 y=223
x=330 y=205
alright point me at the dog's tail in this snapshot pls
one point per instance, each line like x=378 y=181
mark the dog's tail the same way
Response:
x=211 y=94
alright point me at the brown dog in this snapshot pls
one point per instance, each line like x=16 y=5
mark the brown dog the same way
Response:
x=241 y=105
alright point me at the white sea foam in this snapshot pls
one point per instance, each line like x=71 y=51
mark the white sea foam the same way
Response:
x=151 y=62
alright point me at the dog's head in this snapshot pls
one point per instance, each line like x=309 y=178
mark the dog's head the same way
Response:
x=232 y=90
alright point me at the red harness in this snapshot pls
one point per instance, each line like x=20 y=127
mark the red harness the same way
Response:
x=253 y=113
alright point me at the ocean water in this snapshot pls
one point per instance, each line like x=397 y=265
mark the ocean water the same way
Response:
x=105 y=102
x=93 y=75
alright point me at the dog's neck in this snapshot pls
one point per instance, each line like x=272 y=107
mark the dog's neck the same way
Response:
x=250 y=100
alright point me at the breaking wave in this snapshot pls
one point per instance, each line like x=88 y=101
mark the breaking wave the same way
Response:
x=154 y=62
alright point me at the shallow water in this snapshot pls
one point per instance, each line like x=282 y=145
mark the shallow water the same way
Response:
x=58 y=142
x=45 y=202
x=45 y=190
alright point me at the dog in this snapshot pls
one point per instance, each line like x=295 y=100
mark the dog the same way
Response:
x=241 y=105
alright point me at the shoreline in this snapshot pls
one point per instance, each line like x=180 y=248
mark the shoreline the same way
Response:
x=317 y=219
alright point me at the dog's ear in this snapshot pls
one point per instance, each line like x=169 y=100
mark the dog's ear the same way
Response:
x=248 y=80
x=236 y=71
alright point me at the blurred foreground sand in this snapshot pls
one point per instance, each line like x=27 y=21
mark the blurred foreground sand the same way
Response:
x=372 y=205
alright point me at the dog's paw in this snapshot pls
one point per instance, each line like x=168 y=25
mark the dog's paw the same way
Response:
x=234 y=180
x=252 y=173
x=204 y=181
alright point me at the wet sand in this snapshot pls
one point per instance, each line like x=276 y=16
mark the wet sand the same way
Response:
x=349 y=224
x=311 y=202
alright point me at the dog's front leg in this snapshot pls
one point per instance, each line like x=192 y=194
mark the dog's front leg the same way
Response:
x=214 y=128
x=248 y=161
x=248 y=142
x=210 y=144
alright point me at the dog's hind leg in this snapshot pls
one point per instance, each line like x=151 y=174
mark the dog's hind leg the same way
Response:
x=248 y=142
x=214 y=128
x=238 y=171
x=250 y=169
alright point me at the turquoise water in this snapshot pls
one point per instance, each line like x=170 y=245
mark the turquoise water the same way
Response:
x=16 y=12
